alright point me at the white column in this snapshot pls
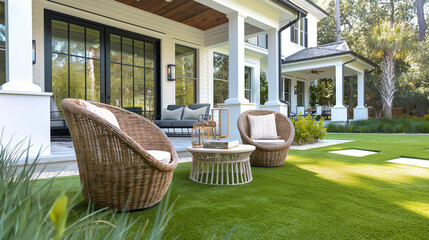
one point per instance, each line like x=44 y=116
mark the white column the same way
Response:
x=236 y=102
x=339 y=111
x=360 y=112
x=273 y=77
x=19 y=68
x=236 y=58
x=339 y=83
x=273 y=68
x=24 y=108
x=360 y=90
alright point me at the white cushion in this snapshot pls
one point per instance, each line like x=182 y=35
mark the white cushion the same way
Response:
x=161 y=156
x=101 y=112
x=175 y=114
x=190 y=114
x=273 y=142
x=263 y=126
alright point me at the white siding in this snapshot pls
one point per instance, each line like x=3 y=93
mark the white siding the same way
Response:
x=289 y=48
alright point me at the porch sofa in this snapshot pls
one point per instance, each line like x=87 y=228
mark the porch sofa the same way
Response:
x=183 y=121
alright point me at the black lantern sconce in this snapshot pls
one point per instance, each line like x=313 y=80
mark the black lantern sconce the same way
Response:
x=171 y=72
x=295 y=90
x=34 y=52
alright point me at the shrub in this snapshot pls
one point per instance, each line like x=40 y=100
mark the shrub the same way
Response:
x=308 y=130
x=397 y=125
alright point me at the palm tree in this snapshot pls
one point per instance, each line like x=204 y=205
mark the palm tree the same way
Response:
x=390 y=41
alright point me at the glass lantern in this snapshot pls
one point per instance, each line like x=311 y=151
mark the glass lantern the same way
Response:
x=212 y=130
x=200 y=133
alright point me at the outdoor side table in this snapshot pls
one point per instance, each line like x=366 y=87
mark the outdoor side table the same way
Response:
x=221 y=166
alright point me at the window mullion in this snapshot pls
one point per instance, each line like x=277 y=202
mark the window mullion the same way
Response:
x=68 y=56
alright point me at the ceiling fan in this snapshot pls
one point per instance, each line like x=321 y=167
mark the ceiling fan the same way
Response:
x=315 y=71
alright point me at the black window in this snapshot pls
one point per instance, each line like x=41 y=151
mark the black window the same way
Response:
x=286 y=89
x=300 y=94
x=299 y=32
x=186 y=75
x=248 y=83
x=99 y=63
x=220 y=78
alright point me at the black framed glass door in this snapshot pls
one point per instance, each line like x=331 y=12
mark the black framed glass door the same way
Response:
x=131 y=72
x=100 y=63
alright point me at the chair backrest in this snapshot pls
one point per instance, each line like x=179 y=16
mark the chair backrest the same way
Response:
x=319 y=110
x=300 y=110
x=283 y=124
x=200 y=105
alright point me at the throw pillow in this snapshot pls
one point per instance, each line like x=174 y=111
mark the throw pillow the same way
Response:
x=190 y=114
x=175 y=114
x=101 y=112
x=263 y=126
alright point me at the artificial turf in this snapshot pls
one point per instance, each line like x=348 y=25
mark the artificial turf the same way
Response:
x=314 y=195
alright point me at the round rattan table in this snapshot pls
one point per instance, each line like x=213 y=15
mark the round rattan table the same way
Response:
x=221 y=166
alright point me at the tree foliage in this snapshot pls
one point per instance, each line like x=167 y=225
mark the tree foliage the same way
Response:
x=389 y=41
x=359 y=19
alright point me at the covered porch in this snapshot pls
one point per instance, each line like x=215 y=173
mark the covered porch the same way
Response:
x=335 y=61
x=68 y=48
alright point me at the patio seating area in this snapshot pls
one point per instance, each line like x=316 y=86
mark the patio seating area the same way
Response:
x=315 y=194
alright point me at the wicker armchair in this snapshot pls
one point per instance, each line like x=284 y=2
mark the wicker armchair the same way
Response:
x=115 y=169
x=268 y=155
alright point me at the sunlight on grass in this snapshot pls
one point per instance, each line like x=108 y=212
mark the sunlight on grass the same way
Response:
x=351 y=174
x=417 y=207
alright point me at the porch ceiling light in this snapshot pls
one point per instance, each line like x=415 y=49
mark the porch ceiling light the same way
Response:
x=171 y=72
x=295 y=90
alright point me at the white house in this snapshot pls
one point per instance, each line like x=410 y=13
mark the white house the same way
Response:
x=118 y=52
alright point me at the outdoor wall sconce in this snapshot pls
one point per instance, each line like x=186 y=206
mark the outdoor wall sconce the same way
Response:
x=295 y=90
x=34 y=52
x=171 y=72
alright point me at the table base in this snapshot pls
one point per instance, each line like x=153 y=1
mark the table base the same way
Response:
x=221 y=169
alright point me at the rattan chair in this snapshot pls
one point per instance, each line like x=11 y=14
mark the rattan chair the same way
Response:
x=115 y=169
x=268 y=155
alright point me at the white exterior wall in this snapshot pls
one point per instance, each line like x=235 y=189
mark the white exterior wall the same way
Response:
x=289 y=48
x=115 y=14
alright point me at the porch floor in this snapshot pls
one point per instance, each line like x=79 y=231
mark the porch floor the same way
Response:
x=62 y=161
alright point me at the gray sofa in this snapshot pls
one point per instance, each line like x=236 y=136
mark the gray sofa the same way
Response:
x=182 y=123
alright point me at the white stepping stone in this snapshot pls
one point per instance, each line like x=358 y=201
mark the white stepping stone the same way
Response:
x=411 y=161
x=354 y=152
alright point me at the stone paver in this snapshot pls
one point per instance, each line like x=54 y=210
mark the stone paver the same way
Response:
x=411 y=161
x=354 y=152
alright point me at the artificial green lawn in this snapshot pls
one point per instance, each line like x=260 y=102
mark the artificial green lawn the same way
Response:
x=314 y=195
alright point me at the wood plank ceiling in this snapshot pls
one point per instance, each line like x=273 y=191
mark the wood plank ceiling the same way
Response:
x=187 y=12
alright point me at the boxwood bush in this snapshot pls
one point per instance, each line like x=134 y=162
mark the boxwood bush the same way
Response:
x=308 y=130
x=396 y=125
